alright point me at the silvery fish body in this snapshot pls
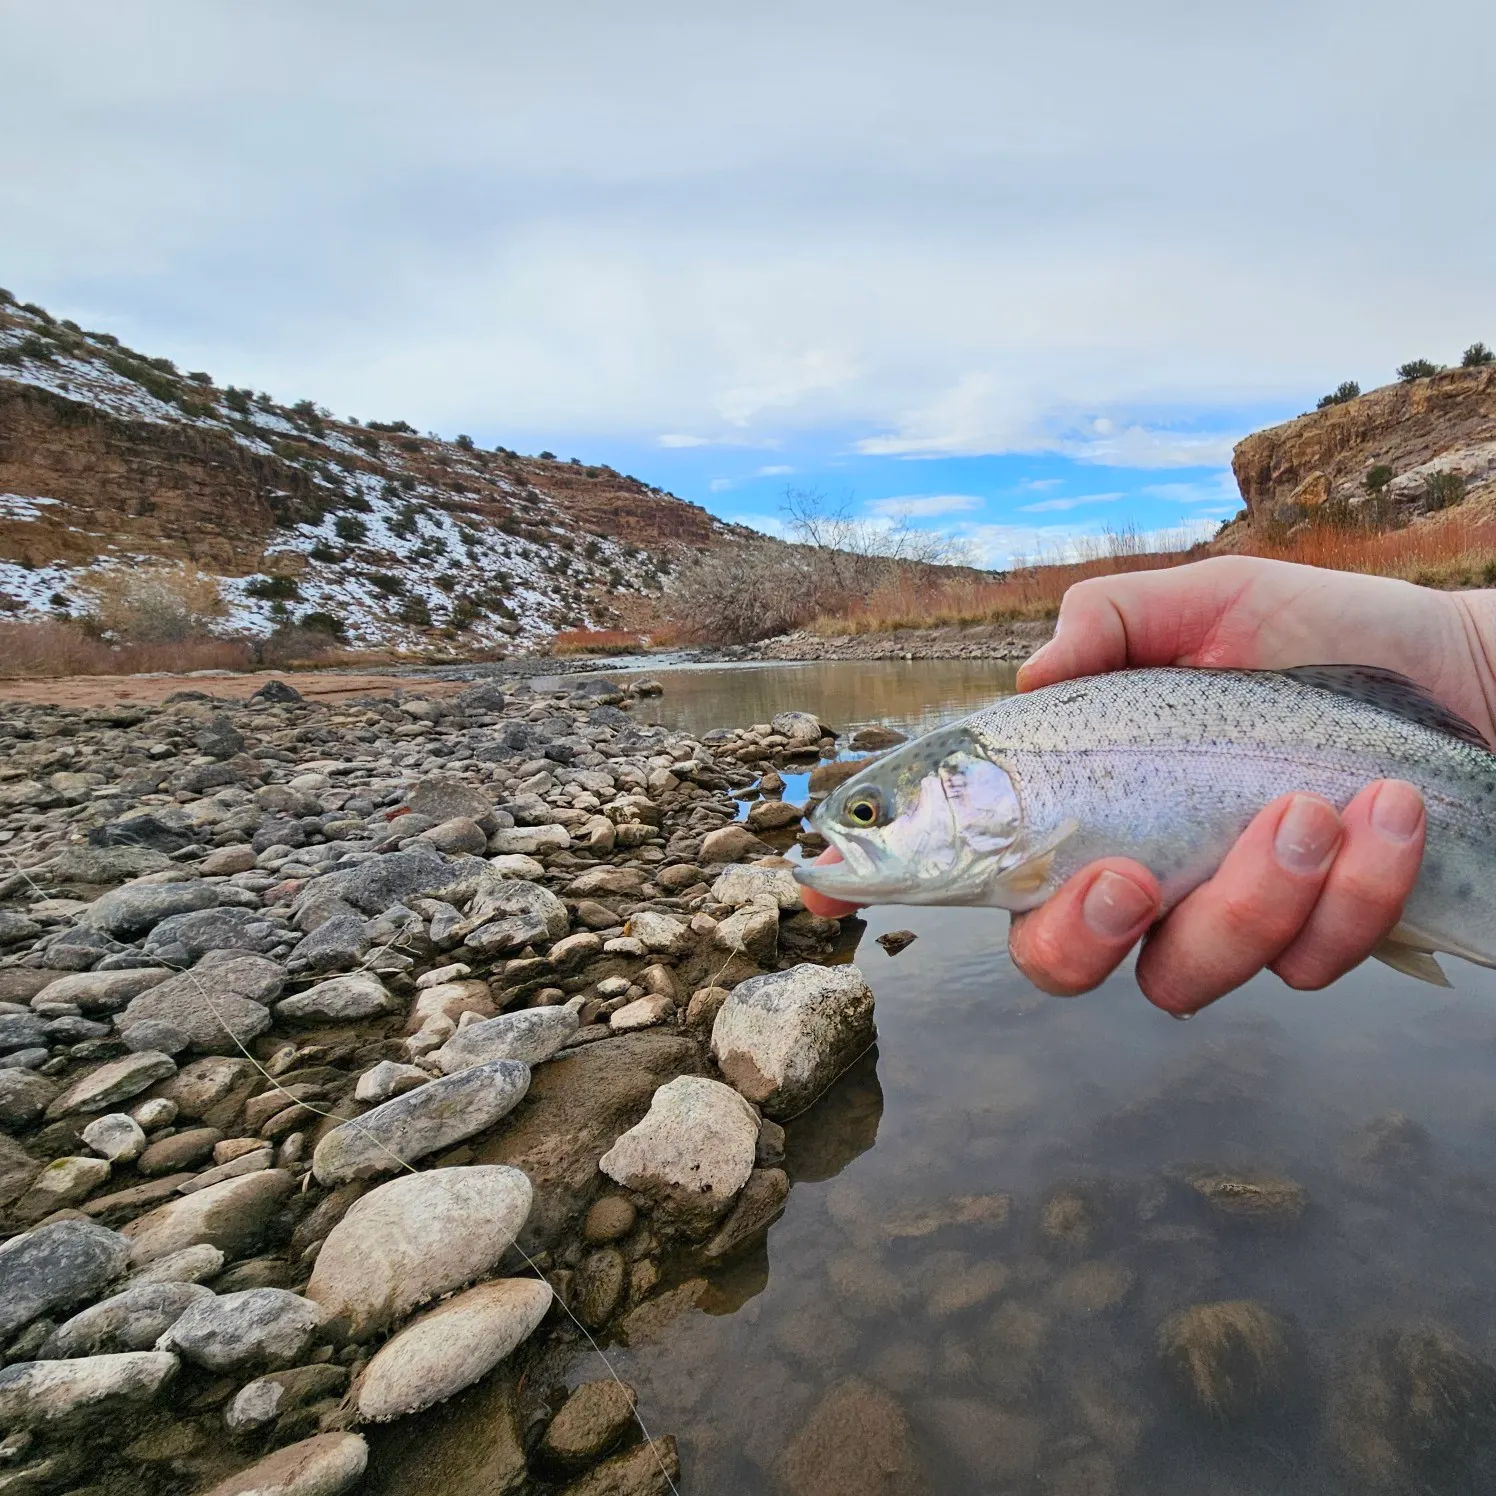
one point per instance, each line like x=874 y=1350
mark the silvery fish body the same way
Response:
x=1167 y=767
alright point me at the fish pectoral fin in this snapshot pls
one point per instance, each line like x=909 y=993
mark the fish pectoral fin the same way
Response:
x=1404 y=934
x=1411 y=962
x=1029 y=875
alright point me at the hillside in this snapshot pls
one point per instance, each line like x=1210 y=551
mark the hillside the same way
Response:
x=110 y=459
x=1444 y=424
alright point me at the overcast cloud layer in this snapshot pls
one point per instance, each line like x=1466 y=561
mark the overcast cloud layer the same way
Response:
x=1113 y=232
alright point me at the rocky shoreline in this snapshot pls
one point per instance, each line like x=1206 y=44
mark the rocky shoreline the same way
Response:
x=348 y=1049
x=1014 y=642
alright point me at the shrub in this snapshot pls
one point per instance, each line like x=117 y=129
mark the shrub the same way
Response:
x=1417 y=368
x=1476 y=356
x=237 y=400
x=356 y=502
x=350 y=528
x=382 y=581
x=366 y=440
x=392 y=426
x=40 y=313
x=326 y=623
x=465 y=441
x=1346 y=391
x=7 y=298
x=415 y=610
x=273 y=589
x=328 y=555
x=165 y=365
x=147 y=375
x=200 y=376
x=1443 y=490
x=1378 y=477
x=596 y=641
x=154 y=604
x=547 y=456
x=741 y=593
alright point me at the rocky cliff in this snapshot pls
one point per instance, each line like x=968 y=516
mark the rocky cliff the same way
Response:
x=1443 y=424
x=109 y=459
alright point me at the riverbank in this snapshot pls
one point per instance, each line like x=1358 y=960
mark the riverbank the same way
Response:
x=316 y=1011
x=1013 y=642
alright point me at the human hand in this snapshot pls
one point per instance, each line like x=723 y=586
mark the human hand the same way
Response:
x=1305 y=892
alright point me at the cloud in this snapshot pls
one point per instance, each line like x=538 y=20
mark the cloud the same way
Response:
x=1221 y=488
x=774 y=470
x=492 y=220
x=766 y=524
x=1005 y=545
x=1048 y=506
x=924 y=506
x=721 y=485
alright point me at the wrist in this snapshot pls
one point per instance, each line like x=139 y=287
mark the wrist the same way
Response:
x=1476 y=613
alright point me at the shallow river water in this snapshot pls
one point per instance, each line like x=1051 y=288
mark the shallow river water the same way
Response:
x=997 y=1218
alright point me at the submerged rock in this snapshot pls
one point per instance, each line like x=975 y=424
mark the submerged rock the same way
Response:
x=1265 y=1200
x=421 y=1122
x=651 y=1469
x=594 y=1417
x=451 y=1347
x=1227 y=1360
x=415 y=1238
x=782 y=1038
x=856 y=1442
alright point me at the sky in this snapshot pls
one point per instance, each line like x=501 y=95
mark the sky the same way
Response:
x=1018 y=273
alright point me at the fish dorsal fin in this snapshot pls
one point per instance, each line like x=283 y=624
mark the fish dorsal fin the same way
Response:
x=1390 y=692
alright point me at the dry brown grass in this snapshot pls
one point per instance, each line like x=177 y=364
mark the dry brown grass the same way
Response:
x=154 y=604
x=596 y=641
x=57 y=649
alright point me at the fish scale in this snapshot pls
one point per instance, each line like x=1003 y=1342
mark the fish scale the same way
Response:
x=1166 y=766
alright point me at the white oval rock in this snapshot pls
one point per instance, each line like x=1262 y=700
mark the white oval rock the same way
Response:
x=117 y=1137
x=693 y=1150
x=782 y=1038
x=340 y=1000
x=415 y=1238
x=231 y=1216
x=324 y=1465
x=451 y=1347
x=531 y=1035
x=34 y=1394
x=421 y=1122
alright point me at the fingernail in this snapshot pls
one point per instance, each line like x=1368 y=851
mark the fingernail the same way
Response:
x=1115 y=906
x=1397 y=811
x=1307 y=835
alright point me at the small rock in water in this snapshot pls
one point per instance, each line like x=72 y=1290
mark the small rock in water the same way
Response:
x=594 y=1417
x=325 y=1465
x=1266 y=1200
x=451 y=1347
x=1227 y=1360
x=649 y=1469
x=894 y=941
x=856 y=1442
x=259 y=1327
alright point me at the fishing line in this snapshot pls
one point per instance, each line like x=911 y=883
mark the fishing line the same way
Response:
x=401 y=1163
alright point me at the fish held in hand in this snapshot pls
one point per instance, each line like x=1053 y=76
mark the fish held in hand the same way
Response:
x=1167 y=767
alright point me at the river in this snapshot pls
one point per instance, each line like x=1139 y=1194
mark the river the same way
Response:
x=1003 y=1223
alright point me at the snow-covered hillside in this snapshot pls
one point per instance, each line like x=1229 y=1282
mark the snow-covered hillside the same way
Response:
x=111 y=459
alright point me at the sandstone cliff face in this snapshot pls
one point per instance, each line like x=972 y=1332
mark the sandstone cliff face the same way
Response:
x=109 y=459
x=1446 y=423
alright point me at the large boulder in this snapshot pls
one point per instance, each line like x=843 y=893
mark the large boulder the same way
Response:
x=219 y=1005
x=775 y=886
x=415 y=1238
x=231 y=1216
x=692 y=1152
x=39 y=1394
x=116 y=1081
x=443 y=798
x=185 y=938
x=130 y=1321
x=341 y=1000
x=451 y=1347
x=132 y=910
x=782 y=1038
x=254 y=1329
x=324 y=1465
x=54 y=1267
x=577 y=1106
x=421 y=1122
x=498 y=897
x=24 y=1096
x=531 y=1035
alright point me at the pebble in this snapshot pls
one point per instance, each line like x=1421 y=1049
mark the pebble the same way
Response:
x=231 y=1216
x=214 y=1004
x=388 y=1079
x=422 y=1122
x=267 y=1398
x=117 y=1137
x=415 y=1238
x=190 y=1265
x=609 y=1219
x=132 y=910
x=102 y=991
x=63 y=1183
x=340 y=1000
x=451 y=1347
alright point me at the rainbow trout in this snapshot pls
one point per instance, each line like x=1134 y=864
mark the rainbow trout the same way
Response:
x=1167 y=767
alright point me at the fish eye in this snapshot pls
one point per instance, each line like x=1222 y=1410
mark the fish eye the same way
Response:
x=864 y=809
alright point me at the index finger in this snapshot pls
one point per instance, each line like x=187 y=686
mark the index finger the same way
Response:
x=1139 y=618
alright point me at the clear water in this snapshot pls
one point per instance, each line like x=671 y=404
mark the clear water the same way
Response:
x=1024 y=1363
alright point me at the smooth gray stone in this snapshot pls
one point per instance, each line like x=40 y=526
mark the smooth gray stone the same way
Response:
x=258 y=1327
x=130 y=1321
x=34 y=1394
x=55 y=1267
x=132 y=910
